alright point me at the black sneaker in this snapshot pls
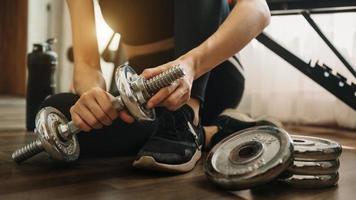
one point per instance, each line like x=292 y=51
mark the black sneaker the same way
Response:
x=176 y=146
x=228 y=125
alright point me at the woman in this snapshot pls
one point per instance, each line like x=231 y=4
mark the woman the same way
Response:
x=157 y=35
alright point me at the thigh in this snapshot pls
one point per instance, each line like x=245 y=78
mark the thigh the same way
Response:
x=117 y=139
x=224 y=90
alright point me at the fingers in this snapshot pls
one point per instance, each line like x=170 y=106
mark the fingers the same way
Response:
x=86 y=116
x=150 y=72
x=161 y=95
x=124 y=116
x=104 y=101
x=172 y=97
x=79 y=122
x=100 y=115
x=178 y=98
x=93 y=110
x=106 y=104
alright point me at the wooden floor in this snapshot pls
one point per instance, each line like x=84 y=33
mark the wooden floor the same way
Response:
x=114 y=178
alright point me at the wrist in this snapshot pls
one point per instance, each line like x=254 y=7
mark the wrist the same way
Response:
x=192 y=60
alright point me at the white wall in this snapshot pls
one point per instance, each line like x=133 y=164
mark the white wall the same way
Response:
x=45 y=21
x=65 y=70
x=44 y=24
x=37 y=22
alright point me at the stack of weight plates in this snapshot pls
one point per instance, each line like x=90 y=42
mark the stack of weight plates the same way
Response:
x=315 y=165
x=259 y=155
x=249 y=158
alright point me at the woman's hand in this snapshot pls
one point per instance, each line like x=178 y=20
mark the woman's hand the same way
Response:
x=94 y=108
x=176 y=95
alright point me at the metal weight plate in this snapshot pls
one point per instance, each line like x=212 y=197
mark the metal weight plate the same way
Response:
x=315 y=149
x=123 y=77
x=47 y=121
x=312 y=182
x=249 y=158
x=314 y=167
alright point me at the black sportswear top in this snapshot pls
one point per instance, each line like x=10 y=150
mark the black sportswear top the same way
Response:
x=139 y=21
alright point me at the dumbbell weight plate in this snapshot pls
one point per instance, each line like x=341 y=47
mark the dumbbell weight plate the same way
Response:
x=249 y=158
x=315 y=149
x=124 y=76
x=314 y=168
x=47 y=121
x=312 y=182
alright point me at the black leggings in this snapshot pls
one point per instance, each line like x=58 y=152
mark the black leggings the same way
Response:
x=223 y=90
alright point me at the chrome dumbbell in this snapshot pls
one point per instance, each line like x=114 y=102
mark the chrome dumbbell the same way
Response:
x=57 y=136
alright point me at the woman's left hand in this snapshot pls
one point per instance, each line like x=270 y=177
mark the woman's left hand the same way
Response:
x=176 y=95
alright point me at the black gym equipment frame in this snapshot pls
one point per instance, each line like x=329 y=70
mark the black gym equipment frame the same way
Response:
x=288 y=7
x=321 y=74
x=312 y=23
x=333 y=82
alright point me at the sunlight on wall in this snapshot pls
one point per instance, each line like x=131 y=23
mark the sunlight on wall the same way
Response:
x=104 y=33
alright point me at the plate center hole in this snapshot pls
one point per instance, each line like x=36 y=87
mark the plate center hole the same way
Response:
x=246 y=152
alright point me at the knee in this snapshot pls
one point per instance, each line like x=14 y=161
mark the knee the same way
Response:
x=62 y=101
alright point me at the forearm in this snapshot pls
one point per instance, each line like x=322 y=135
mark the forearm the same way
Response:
x=86 y=80
x=87 y=72
x=245 y=22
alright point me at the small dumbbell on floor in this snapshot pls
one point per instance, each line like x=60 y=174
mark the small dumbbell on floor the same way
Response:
x=56 y=135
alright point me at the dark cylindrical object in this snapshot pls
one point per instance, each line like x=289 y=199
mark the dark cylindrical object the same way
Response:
x=41 y=63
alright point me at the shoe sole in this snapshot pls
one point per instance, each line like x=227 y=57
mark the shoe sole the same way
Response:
x=149 y=163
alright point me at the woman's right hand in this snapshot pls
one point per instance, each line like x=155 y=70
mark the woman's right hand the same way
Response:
x=94 y=110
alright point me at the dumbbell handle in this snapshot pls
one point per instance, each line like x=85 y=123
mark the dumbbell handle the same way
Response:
x=66 y=131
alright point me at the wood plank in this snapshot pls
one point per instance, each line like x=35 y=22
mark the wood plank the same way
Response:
x=114 y=177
